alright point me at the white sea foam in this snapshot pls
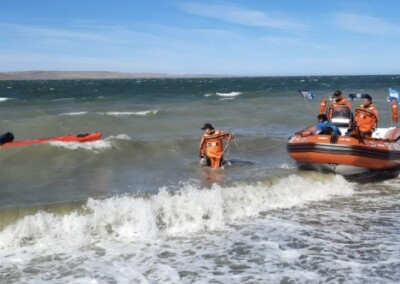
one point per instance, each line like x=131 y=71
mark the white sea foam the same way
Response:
x=95 y=146
x=4 y=99
x=130 y=113
x=63 y=99
x=223 y=234
x=119 y=137
x=114 y=113
x=287 y=166
x=189 y=210
x=231 y=94
x=74 y=113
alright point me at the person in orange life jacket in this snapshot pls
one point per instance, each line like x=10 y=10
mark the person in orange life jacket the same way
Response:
x=366 y=118
x=211 y=145
x=339 y=100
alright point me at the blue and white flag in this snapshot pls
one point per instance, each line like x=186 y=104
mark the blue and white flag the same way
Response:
x=393 y=95
x=307 y=94
x=357 y=96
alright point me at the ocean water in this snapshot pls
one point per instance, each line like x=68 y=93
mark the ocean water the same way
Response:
x=136 y=207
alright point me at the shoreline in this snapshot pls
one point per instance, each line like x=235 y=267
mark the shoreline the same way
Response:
x=76 y=75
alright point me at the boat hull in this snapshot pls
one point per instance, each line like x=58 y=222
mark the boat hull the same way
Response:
x=346 y=155
x=352 y=173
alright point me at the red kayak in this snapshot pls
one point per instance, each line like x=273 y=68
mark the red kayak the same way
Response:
x=65 y=138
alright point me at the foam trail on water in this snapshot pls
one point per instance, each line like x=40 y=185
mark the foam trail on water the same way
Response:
x=120 y=137
x=231 y=94
x=93 y=145
x=129 y=113
x=74 y=113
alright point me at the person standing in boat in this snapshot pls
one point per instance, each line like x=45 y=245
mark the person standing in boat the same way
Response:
x=365 y=119
x=339 y=101
x=324 y=126
x=211 y=145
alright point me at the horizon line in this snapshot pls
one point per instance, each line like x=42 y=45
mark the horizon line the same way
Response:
x=67 y=74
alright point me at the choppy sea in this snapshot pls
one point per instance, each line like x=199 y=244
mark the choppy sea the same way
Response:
x=136 y=207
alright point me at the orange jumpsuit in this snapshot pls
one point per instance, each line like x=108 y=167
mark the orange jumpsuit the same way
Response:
x=212 y=147
x=366 y=119
x=339 y=101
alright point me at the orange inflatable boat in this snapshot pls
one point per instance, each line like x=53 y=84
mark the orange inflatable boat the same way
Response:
x=347 y=155
x=87 y=137
x=377 y=157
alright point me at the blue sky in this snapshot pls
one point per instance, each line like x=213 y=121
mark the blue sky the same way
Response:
x=248 y=37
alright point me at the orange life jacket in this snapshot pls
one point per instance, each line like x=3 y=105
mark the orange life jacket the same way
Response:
x=211 y=144
x=395 y=113
x=322 y=107
x=366 y=118
x=339 y=102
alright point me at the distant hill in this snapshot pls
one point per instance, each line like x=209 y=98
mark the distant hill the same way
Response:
x=65 y=75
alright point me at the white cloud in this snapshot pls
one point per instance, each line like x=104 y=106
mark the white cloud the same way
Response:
x=43 y=32
x=241 y=16
x=364 y=24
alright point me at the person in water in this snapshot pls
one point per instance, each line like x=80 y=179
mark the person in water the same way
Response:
x=324 y=126
x=365 y=119
x=6 y=137
x=211 y=145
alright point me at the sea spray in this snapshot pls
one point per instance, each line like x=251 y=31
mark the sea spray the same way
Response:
x=170 y=213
